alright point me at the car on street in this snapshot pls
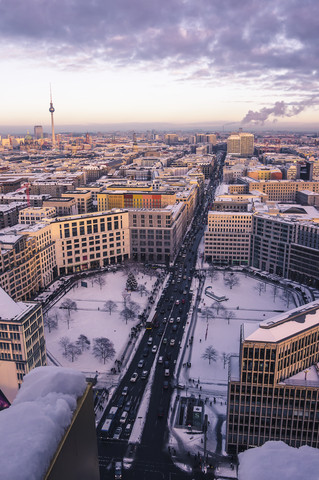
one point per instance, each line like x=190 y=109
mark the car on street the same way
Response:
x=118 y=471
x=123 y=417
x=134 y=377
x=166 y=372
x=127 y=429
x=145 y=352
x=117 y=433
x=150 y=341
x=172 y=342
x=164 y=341
x=128 y=406
x=165 y=384
x=144 y=374
x=140 y=364
x=154 y=348
x=124 y=391
x=177 y=302
x=174 y=328
x=171 y=320
x=178 y=319
x=160 y=359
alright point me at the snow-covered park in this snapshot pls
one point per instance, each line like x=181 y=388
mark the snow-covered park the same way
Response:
x=98 y=304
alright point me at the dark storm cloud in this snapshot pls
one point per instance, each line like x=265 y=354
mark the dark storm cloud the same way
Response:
x=277 y=39
x=279 y=109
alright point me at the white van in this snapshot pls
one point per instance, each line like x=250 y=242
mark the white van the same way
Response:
x=123 y=417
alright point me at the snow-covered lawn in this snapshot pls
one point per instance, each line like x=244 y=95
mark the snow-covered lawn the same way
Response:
x=209 y=380
x=91 y=319
x=246 y=305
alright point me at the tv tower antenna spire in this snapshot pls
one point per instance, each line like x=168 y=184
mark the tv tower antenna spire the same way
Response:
x=52 y=110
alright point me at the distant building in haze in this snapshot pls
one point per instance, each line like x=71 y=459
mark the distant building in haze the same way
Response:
x=240 y=143
x=38 y=132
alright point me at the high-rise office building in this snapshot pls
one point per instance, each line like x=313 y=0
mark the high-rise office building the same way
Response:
x=273 y=390
x=38 y=132
x=240 y=143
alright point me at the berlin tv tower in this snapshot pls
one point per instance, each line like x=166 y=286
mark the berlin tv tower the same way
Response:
x=51 y=110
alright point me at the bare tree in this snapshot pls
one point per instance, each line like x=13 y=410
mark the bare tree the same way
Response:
x=69 y=305
x=259 y=287
x=229 y=315
x=83 y=342
x=208 y=312
x=213 y=274
x=226 y=357
x=73 y=351
x=103 y=349
x=231 y=280
x=210 y=354
x=64 y=342
x=51 y=322
x=218 y=307
x=275 y=291
x=128 y=314
x=142 y=289
x=100 y=281
x=110 y=306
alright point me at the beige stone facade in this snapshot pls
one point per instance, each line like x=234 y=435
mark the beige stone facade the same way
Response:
x=227 y=238
x=91 y=240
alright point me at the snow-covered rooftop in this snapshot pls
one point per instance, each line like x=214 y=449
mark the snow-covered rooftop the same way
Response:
x=32 y=428
x=9 y=308
x=276 y=460
x=309 y=377
x=287 y=324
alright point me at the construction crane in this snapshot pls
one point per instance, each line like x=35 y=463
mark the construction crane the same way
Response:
x=26 y=187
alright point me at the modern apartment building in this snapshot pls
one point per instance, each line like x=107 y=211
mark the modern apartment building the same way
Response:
x=90 y=240
x=286 y=246
x=273 y=389
x=138 y=199
x=240 y=143
x=65 y=205
x=282 y=190
x=27 y=260
x=227 y=238
x=30 y=216
x=156 y=234
x=22 y=344
x=83 y=200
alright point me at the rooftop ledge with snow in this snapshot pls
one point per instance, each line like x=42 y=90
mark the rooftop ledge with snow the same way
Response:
x=285 y=324
x=32 y=428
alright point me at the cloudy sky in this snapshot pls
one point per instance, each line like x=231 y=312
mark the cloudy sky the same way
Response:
x=182 y=61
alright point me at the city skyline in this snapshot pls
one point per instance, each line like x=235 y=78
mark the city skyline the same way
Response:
x=225 y=64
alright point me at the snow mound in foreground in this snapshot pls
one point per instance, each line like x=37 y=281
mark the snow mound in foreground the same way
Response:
x=276 y=460
x=33 y=426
